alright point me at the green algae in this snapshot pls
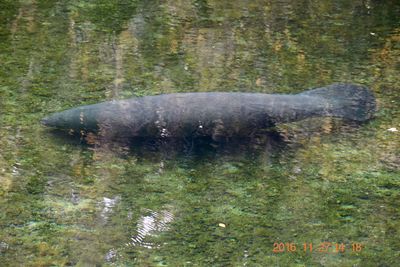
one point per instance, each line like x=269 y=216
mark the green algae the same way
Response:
x=65 y=203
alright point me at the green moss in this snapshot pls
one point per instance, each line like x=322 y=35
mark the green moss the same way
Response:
x=63 y=203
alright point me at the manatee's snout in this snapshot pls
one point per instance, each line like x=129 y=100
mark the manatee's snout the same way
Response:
x=76 y=119
x=48 y=121
x=57 y=120
x=45 y=121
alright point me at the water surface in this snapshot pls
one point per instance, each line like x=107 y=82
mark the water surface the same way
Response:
x=156 y=203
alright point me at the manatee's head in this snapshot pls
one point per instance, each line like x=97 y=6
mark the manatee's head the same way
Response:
x=77 y=119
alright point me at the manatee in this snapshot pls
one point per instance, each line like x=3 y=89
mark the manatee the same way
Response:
x=213 y=113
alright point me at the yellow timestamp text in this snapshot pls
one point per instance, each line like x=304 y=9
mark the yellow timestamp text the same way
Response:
x=322 y=247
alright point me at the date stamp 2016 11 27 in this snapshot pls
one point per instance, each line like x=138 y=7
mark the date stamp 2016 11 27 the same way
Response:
x=322 y=247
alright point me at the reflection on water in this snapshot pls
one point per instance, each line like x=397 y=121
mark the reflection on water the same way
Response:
x=150 y=225
x=79 y=201
x=107 y=206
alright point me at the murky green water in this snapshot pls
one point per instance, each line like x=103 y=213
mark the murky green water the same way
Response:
x=64 y=203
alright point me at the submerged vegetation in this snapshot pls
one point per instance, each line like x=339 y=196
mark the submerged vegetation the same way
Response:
x=65 y=203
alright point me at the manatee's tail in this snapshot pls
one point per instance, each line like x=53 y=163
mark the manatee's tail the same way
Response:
x=348 y=101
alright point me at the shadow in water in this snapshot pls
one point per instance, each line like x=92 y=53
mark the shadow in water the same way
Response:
x=269 y=141
x=270 y=144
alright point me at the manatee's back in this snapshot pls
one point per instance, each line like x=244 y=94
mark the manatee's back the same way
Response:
x=201 y=113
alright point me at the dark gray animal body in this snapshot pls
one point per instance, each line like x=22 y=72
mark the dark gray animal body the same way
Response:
x=210 y=114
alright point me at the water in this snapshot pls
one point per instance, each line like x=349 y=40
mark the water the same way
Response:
x=66 y=203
